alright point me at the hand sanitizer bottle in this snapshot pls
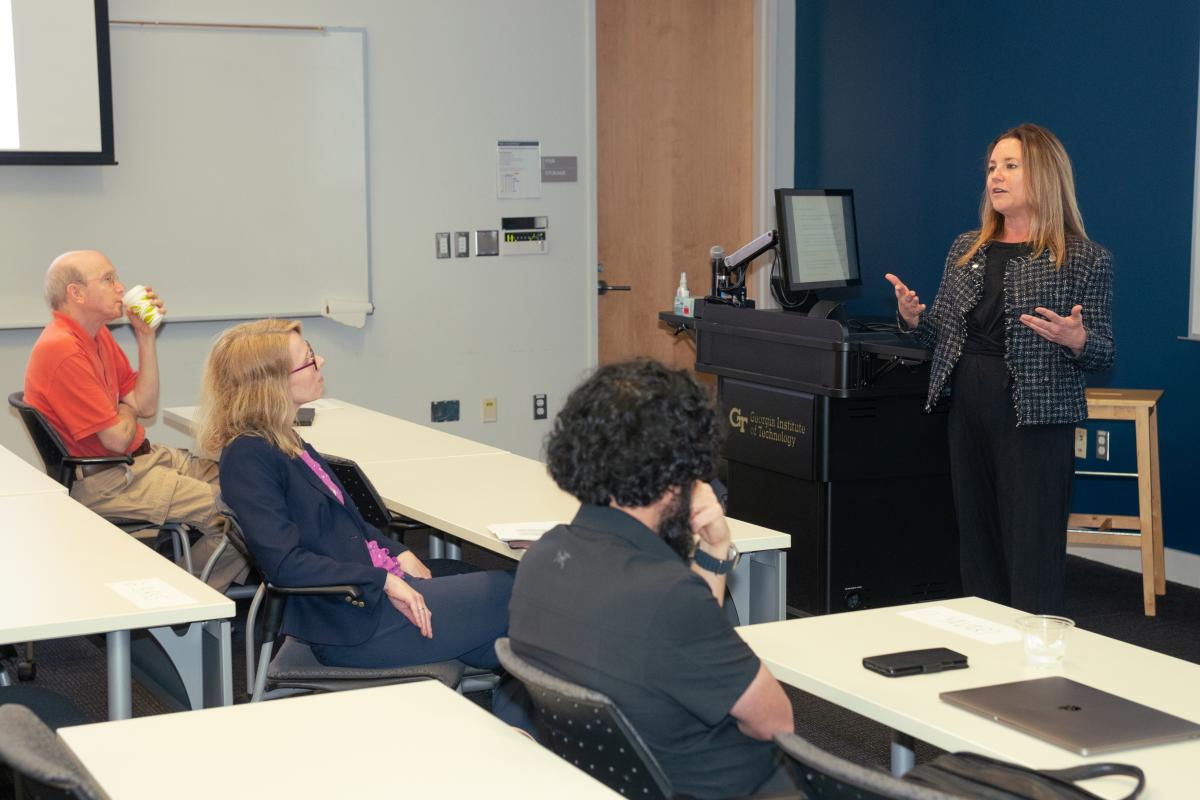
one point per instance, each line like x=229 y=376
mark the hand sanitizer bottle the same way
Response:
x=682 y=296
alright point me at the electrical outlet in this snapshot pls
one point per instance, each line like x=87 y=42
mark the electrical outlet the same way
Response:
x=539 y=406
x=1102 y=445
x=1081 y=442
x=443 y=244
x=489 y=409
x=462 y=244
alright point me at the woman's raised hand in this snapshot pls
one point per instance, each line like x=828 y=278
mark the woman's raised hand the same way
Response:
x=907 y=302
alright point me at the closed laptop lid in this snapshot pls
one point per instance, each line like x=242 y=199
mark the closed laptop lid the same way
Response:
x=1073 y=715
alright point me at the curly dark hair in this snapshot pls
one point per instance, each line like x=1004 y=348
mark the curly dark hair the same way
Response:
x=632 y=431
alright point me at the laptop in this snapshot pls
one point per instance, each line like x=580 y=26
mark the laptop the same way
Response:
x=1071 y=715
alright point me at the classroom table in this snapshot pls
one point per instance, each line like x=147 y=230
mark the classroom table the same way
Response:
x=68 y=572
x=459 y=487
x=462 y=496
x=407 y=740
x=823 y=656
x=361 y=434
x=18 y=477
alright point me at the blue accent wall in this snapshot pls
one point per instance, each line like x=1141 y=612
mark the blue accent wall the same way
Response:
x=899 y=100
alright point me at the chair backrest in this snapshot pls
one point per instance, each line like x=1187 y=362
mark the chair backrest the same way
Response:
x=361 y=491
x=37 y=755
x=49 y=444
x=831 y=777
x=587 y=729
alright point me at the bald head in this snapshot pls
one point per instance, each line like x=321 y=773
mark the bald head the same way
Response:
x=76 y=266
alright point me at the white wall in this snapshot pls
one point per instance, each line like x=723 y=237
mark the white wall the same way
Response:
x=445 y=80
x=774 y=123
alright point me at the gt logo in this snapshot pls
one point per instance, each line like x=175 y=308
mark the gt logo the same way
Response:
x=736 y=420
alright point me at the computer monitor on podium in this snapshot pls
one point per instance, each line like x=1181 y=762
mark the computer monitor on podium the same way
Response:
x=819 y=245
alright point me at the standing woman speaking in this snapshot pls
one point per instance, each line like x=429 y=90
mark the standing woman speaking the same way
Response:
x=1023 y=311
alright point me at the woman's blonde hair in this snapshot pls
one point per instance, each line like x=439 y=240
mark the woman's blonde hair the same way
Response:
x=1050 y=184
x=245 y=390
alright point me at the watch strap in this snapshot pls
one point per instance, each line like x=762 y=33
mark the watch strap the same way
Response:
x=713 y=564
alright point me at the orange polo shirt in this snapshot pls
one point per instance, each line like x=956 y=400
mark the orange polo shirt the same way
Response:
x=77 y=381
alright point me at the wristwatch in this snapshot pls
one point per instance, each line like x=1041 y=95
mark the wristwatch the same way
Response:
x=716 y=566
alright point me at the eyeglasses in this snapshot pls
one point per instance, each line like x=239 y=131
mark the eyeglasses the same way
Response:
x=309 y=361
x=108 y=278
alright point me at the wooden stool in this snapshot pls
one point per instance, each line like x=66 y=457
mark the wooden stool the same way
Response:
x=1145 y=530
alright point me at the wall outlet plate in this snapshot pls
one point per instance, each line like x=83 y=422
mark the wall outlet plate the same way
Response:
x=487 y=243
x=539 y=406
x=442 y=244
x=1102 y=449
x=1081 y=442
x=489 y=409
x=462 y=244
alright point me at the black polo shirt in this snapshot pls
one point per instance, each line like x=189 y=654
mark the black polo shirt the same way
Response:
x=605 y=603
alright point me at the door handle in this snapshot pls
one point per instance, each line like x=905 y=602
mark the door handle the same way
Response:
x=603 y=287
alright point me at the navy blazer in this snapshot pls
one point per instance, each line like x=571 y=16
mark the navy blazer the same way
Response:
x=300 y=535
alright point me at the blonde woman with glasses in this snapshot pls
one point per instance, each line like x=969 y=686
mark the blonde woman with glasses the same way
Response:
x=1024 y=310
x=303 y=529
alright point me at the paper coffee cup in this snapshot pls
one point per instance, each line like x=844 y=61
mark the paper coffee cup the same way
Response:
x=141 y=305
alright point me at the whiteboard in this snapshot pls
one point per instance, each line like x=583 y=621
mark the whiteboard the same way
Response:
x=240 y=189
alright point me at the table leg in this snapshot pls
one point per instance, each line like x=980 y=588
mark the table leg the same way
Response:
x=120 y=678
x=757 y=586
x=904 y=758
x=217 y=656
x=437 y=545
x=453 y=548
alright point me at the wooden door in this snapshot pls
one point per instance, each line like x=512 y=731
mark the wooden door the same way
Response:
x=674 y=96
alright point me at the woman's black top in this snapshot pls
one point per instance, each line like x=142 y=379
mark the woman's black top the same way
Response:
x=985 y=322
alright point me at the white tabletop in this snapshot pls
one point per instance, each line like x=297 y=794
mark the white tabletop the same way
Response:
x=823 y=656
x=344 y=429
x=19 y=477
x=409 y=740
x=462 y=496
x=59 y=561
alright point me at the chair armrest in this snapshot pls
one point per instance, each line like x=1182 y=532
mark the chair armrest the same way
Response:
x=350 y=590
x=79 y=461
x=277 y=599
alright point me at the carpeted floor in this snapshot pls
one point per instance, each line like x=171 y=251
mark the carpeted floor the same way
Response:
x=1102 y=599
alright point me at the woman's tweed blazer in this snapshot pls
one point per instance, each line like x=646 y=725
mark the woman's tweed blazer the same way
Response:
x=1048 y=380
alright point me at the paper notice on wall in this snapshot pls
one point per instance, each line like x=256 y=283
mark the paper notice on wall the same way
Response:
x=969 y=625
x=148 y=593
x=518 y=169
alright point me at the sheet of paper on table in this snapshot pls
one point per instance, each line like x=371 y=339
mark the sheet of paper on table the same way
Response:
x=519 y=535
x=969 y=625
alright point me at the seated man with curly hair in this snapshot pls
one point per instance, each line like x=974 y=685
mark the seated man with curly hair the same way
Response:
x=626 y=599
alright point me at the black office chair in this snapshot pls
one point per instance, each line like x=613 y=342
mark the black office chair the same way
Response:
x=587 y=729
x=60 y=465
x=833 y=778
x=294 y=668
x=367 y=499
x=39 y=760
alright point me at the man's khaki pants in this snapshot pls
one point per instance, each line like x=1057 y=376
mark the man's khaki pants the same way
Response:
x=168 y=485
